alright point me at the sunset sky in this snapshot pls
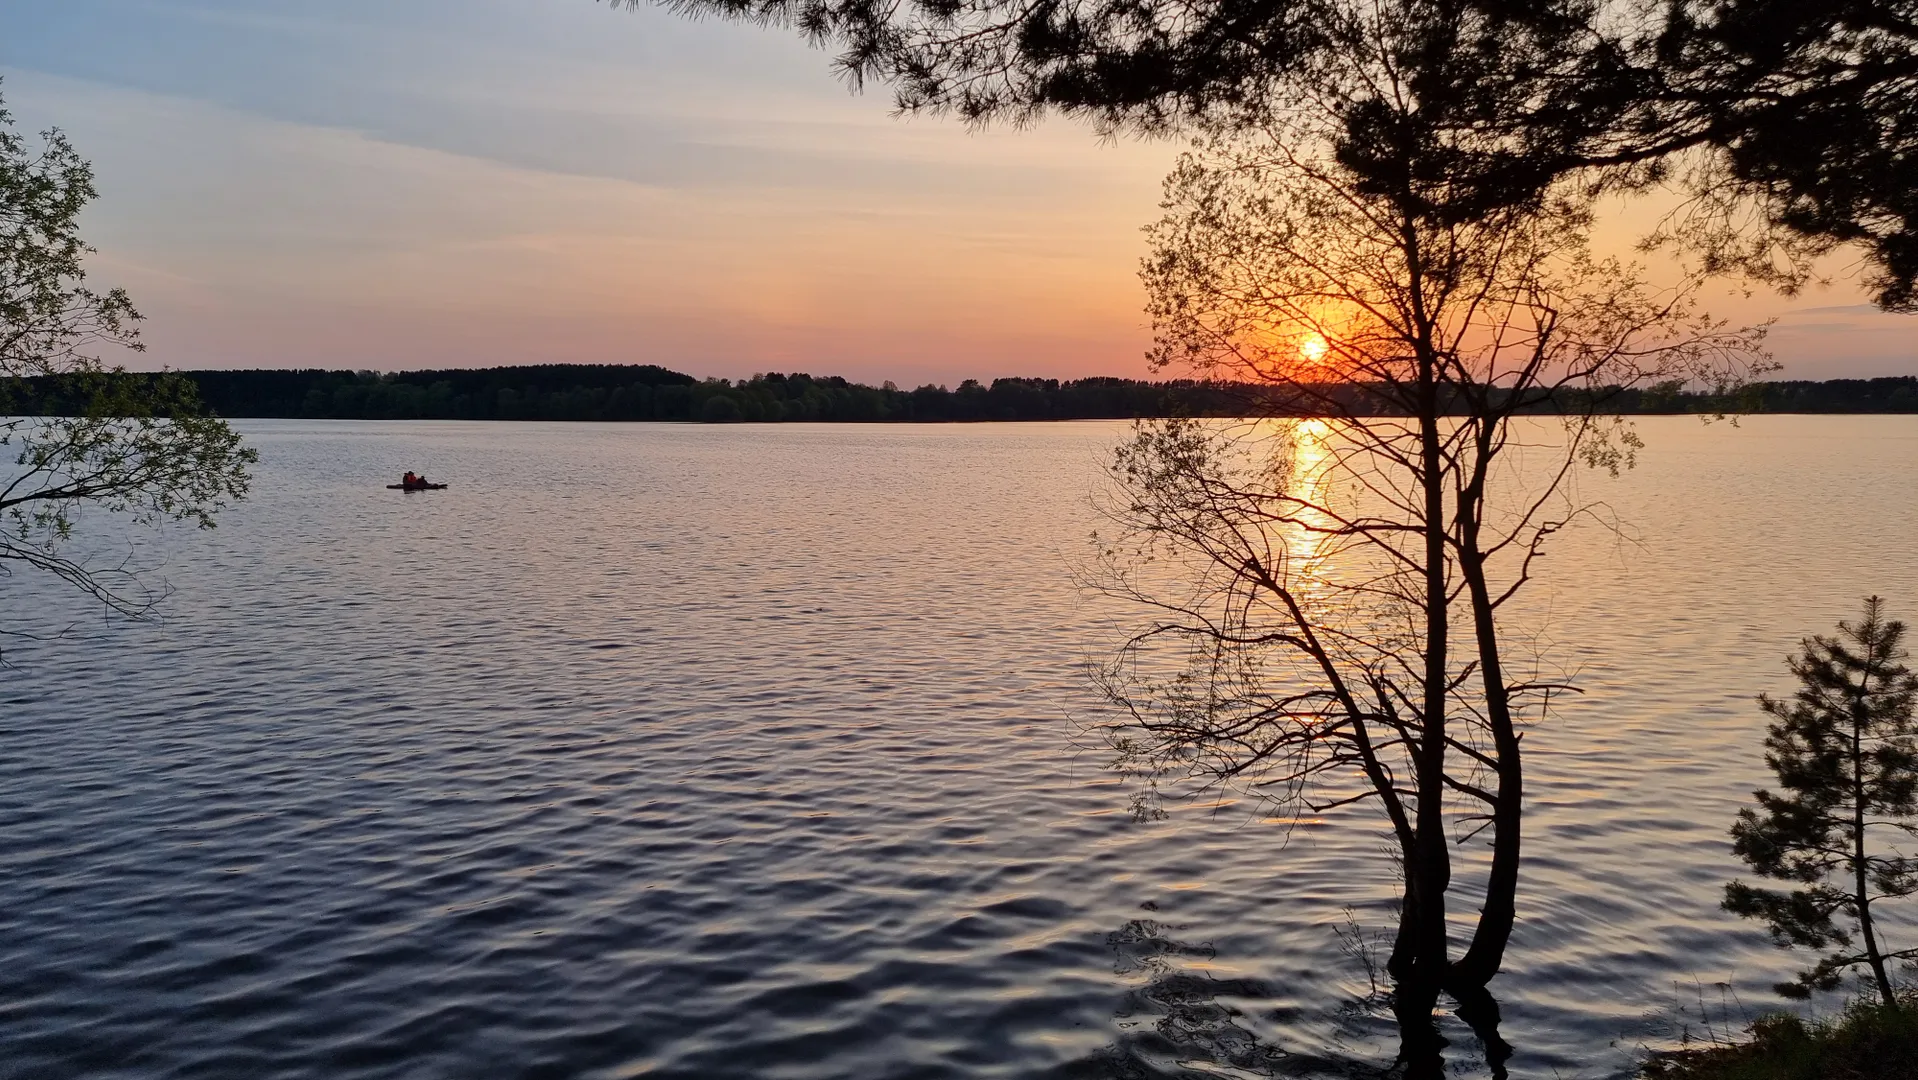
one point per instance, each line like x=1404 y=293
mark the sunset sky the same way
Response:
x=401 y=184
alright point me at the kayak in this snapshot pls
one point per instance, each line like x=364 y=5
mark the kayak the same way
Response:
x=416 y=487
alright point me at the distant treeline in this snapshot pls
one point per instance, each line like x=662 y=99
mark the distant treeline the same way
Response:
x=647 y=392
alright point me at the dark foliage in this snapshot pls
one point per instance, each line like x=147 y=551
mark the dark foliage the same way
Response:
x=140 y=446
x=1845 y=751
x=1869 y=1041
x=1814 y=107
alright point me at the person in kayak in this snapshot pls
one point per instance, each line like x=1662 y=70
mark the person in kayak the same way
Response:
x=410 y=480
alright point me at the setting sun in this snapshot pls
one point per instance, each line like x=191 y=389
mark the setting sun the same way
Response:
x=1313 y=348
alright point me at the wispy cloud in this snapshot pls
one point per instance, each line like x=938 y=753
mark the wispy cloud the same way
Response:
x=1836 y=309
x=262 y=242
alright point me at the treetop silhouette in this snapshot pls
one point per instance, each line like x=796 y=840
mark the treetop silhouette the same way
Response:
x=1793 y=126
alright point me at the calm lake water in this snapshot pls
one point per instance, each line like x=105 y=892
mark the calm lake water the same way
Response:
x=748 y=752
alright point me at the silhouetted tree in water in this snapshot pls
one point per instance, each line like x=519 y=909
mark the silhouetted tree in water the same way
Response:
x=1331 y=597
x=1845 y=751
x=139 y=445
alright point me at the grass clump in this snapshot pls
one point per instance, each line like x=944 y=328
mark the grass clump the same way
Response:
x=1868 y=1041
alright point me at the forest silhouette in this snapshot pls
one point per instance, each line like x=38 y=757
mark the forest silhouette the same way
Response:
x=612 y=392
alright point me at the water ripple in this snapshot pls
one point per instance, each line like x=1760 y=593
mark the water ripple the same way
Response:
x=694 y=752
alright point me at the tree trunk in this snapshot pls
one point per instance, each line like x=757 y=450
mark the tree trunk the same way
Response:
x=1487 y=952
x=1421 y=1047
x=1430 y=875
x=1405 y=942
x=1858 y=864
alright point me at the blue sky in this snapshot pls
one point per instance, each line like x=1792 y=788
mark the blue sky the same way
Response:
x=416 y=183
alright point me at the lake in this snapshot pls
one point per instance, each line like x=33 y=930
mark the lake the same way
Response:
x=686 y=751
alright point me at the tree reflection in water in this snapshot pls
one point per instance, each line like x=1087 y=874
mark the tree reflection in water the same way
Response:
x=1184 y=1022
